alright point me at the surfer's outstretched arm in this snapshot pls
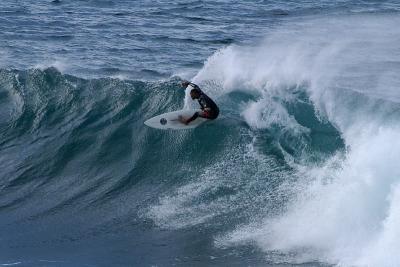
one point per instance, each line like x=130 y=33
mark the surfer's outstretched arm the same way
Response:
x=185 y=84
x=195 y=116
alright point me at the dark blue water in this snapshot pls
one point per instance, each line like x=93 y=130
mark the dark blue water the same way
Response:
x=300 y=169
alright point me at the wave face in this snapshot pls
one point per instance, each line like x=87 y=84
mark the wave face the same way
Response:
x=78 y=165
x=299 y=169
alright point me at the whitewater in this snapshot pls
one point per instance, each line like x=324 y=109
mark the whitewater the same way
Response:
x=300 y=169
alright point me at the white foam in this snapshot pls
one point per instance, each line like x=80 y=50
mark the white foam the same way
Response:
x=199 y=200
x=347 y=215
x=346 y=210
x=11 y=263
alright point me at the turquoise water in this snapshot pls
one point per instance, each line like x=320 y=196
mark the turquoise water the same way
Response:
x=300 y=169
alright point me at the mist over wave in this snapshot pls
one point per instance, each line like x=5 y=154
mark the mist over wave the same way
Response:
x=343 y=209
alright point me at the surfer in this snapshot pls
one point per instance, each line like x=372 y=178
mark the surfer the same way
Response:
x=209 y=109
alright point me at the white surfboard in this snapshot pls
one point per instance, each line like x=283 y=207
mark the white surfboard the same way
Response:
x=170 y=120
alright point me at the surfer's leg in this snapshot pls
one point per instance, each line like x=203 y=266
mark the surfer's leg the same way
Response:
x=206 y=114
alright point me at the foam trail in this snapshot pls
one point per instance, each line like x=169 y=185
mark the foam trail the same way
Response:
x=346 y=209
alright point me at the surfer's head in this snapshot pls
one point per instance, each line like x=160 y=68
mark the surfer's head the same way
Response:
x=185 y=83
x=195 y=93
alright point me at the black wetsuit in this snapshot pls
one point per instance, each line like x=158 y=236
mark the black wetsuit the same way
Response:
x=205 y=102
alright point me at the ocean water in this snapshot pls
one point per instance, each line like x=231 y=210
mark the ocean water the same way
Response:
x=300 y=169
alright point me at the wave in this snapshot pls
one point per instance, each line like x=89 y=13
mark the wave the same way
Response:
x=301 y=162
x=72 y=144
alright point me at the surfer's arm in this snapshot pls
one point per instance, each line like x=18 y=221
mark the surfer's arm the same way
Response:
x=195 y=86
x=195 y=116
